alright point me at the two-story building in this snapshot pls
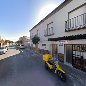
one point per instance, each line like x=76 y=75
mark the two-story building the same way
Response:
x=25 y=40
x=63 y=31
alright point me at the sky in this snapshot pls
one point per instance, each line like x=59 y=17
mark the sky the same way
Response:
x=17 y=17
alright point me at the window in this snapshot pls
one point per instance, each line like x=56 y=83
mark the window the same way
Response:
x=72 y=22
x=66 y=26
x=84 y=19
x=80 y=20
x=43 y=44
x=76 y=19
x=52 y=30
x=49 y=31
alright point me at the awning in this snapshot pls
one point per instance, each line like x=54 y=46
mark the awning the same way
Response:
x=72 y=37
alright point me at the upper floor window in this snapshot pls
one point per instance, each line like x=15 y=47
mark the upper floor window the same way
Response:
x=76 y=19
x=49 y=31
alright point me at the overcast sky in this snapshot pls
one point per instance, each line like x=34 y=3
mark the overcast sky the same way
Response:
x=17 y=17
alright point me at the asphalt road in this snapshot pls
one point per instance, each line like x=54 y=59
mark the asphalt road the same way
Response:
x=26 y=68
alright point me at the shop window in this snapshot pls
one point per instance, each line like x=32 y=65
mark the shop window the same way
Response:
x=79 y=54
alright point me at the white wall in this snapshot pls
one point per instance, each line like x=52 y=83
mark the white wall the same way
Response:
x=58 y=20
x=77 y=12
x=84 y=55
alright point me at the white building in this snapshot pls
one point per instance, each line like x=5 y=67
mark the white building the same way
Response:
x=63 y=31
x=25 y=40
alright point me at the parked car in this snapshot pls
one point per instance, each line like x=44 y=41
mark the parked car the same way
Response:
x=22 y=47
x=3 y=50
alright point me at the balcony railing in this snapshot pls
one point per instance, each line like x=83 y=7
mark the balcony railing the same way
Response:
x=78 y=22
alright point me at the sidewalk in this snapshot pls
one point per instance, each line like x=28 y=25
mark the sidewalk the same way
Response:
x=78 y=76
x=9 y=53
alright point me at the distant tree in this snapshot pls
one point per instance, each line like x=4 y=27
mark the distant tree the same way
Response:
x=18 y=42
x=11 y=42
x=7 y=41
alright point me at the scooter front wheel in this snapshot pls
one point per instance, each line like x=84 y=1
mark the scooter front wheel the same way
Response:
x=61 y=75
x=46 y=66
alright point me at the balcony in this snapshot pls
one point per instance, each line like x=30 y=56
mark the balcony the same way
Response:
x=76 y=23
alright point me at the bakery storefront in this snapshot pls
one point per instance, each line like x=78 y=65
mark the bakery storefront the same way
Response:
x=74 y=54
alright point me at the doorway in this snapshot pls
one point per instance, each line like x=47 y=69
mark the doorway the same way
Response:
x=54 y=49
x=68 y=53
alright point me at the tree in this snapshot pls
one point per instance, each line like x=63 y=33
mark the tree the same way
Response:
x=11 y=42
x=35 y=41
x=18 y=42
x=7 y=41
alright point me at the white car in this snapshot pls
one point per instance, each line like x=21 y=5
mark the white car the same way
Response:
x=3 y=50
x=6 y=47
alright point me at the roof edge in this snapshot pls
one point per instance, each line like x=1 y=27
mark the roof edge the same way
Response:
x=53 y=12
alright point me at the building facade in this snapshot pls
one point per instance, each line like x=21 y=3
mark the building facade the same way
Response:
x=1 y=43
x=63 y=32
x=25 y=40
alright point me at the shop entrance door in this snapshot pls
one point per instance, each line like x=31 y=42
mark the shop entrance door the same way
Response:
x=68 y=53
x=54 y=49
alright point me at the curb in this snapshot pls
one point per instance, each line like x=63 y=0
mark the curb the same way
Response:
x=75 y=74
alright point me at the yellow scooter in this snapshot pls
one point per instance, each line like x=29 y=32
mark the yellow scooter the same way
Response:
x=53 y=65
